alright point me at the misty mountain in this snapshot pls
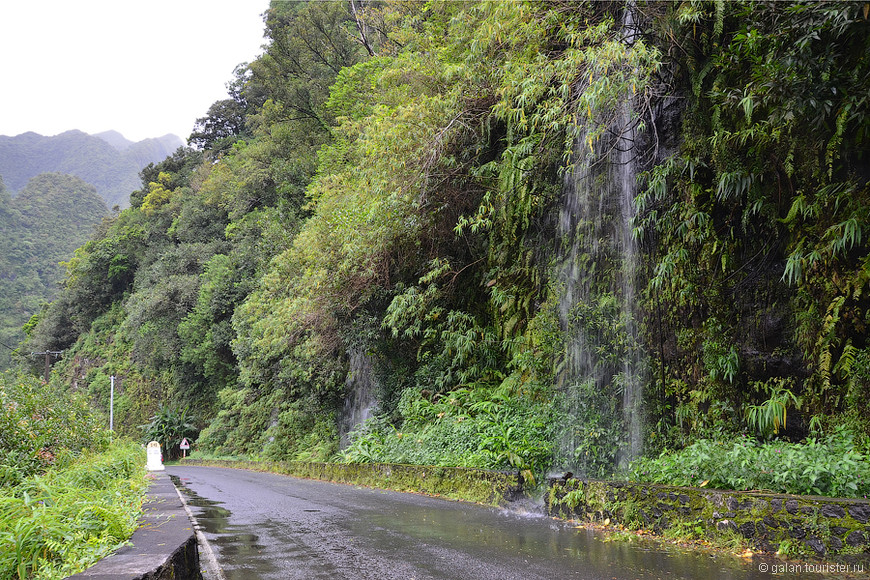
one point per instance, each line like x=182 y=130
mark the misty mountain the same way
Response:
x=40 y=228
x=108 y=161
x=114 y=139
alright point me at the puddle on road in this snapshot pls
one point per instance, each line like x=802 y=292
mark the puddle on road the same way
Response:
x=211 y=518
x=232 y=543
x=546 y=547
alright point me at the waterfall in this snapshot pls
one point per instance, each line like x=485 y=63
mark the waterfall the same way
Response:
x=360 y=402
x=603 y=370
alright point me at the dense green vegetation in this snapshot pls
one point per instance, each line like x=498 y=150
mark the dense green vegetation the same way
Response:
x=53 y=192
x=758 y=221
x=388 y=185
x=68 y=496
x=107 y=161
x=39 y=228
x=827 y=465
x=42 y=428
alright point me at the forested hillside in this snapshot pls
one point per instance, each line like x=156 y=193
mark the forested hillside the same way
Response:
x=40 y=228
x=512 y=234
x=107 y=161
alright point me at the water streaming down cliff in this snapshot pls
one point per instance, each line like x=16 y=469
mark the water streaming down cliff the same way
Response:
x=360 y=398
x=603 y=369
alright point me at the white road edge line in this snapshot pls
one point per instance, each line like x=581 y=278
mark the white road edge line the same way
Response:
x=207 y=559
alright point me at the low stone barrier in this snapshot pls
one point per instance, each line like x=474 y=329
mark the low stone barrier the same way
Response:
x=797 y=525
x=479 y=485
x=163 y=548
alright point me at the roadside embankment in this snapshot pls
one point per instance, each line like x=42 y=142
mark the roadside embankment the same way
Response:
x=800 y=526
x=162 y=548
x=478 y=485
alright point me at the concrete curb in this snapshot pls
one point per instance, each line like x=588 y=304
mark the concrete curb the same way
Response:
x=163 y=548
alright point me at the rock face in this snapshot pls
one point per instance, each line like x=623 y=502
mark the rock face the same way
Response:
x=812 y=526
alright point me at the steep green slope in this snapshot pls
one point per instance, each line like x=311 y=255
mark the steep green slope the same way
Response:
x=40 y=228
x=515 y=234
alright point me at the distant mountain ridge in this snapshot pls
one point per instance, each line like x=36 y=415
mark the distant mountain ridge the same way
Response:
x=108 y=161
x=114 y=139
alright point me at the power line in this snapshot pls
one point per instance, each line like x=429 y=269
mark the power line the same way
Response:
x=15 y=350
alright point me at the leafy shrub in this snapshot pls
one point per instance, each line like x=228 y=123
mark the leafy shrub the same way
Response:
x=40 y=427
x=830 y=466
x=57 y=524
x=483 y=427
x=770 y=416
x=168 y=427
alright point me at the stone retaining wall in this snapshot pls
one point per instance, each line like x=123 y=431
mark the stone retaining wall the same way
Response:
x=479 y=485
x=796 y=525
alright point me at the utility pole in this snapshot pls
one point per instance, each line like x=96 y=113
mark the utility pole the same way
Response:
x=112 y=406
x=47 y=353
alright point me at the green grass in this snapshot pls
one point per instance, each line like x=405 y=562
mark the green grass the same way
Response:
x=59 y=523
x=68 y=496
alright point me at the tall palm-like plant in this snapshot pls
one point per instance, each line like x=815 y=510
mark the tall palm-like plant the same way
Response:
x=168 y=427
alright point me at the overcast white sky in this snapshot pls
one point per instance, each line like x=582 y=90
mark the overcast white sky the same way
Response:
x=144 y=68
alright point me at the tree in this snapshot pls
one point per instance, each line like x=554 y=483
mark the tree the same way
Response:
x=309 y=46
x=224 y=123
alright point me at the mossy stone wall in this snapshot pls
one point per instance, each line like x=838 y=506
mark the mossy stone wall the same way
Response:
x=797 y=525
x=478 y=485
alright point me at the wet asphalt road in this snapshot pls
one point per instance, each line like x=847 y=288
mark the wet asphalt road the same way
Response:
x=267 y=526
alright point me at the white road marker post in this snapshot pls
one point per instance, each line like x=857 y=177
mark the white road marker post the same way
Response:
x=154 y=457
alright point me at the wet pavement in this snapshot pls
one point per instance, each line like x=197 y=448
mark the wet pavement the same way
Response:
x=268 y=526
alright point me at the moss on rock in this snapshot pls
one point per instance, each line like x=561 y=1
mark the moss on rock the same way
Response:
x=807 y=526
